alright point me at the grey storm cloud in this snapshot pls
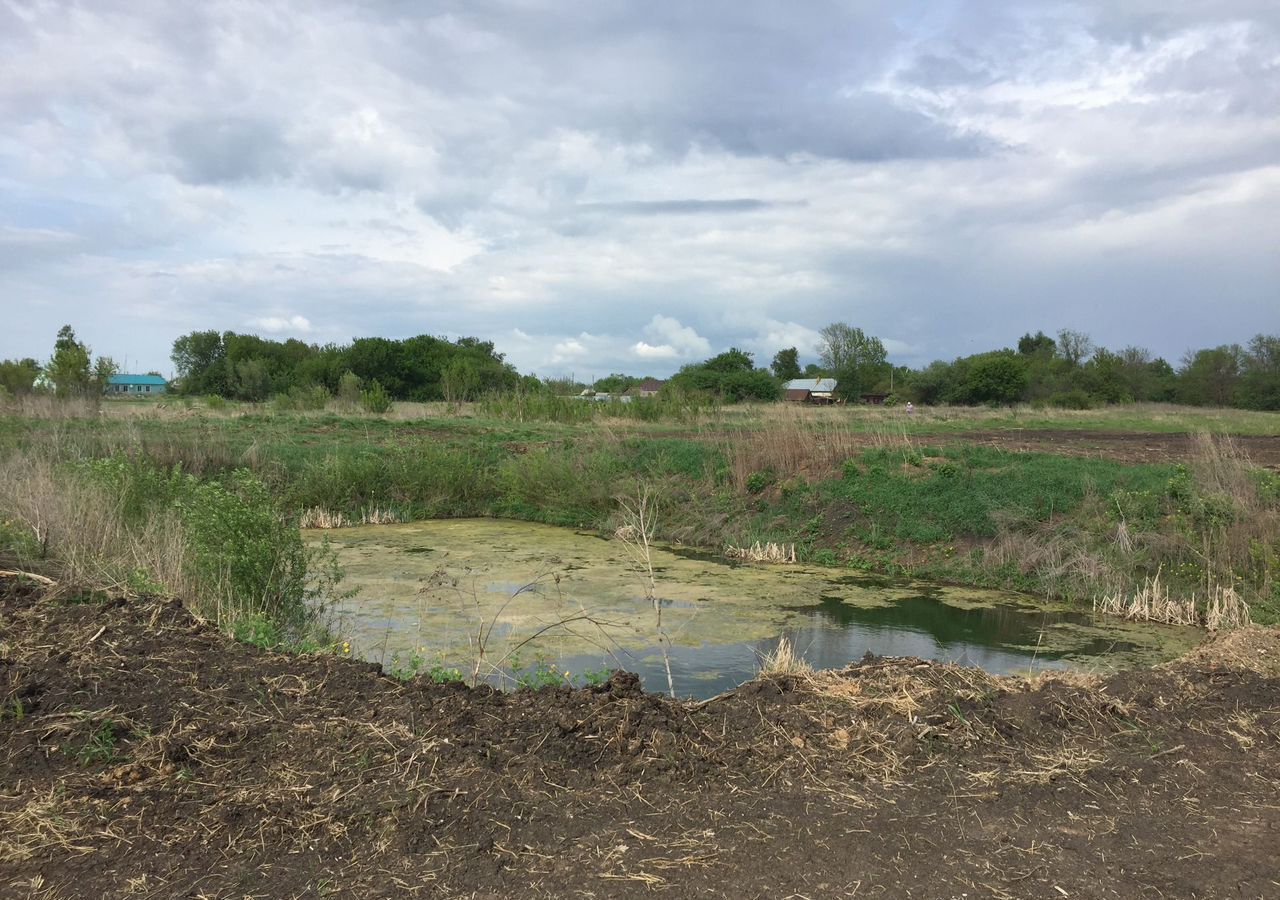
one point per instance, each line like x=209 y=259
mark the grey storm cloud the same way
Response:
x=676 y=207
x=582 y=182
x=222 y=150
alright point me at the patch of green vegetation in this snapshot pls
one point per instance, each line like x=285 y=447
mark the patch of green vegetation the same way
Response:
x=100 y=746
x=975 y=490
x=414 y=666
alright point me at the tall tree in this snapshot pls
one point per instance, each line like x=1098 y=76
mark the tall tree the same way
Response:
x=1210 y=377
x=1260 y=383
x=1074 y=346
x=68 y=369
x=786 y=364
x=857 y=359
x=1036 y=344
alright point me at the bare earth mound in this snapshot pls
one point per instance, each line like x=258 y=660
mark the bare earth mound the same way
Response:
x=143 y=755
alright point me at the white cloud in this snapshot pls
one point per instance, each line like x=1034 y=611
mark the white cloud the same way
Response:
x=950 y=179
x=647 y=351
x=677 y=339
x=278 y=324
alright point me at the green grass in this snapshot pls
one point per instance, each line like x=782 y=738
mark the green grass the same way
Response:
x=970 y=491
x=910 y=506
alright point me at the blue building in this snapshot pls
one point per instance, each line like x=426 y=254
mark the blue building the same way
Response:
x=135 y=385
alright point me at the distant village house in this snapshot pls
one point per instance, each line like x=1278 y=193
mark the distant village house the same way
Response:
x=135 y=385
x=810 y=390
x=648 y=388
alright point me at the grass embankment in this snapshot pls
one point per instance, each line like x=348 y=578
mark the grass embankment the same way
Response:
x=861 y=488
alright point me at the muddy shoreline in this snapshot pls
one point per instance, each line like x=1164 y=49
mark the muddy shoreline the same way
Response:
x=144 y=755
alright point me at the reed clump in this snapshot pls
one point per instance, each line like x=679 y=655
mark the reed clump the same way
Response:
x=784 y=660
x=1222 y=608
x=769 y=552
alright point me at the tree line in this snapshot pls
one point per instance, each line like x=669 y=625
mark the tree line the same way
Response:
x=1067 y=370
x=248 y=367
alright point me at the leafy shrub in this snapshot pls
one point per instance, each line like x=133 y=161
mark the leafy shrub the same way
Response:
x=312 y=398
x=1072 y=399
x=1135 y=506
x=758 y=481
x=349 y=390
x=558 y=487
x=375 y=398
x=252 y=561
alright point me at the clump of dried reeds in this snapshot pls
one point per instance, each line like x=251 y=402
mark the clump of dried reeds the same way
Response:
x=1151 y=602
x=784 y=660
x=319 y=518
x=790 y=443
x=763 y=553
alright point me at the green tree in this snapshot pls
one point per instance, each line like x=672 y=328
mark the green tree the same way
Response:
x=103 y=368
x=349 y=388
x=1210 y=377
x=1260 y=382
x=199 y=362
x=1074 y=347
x=1038 y=344
x=857 y=359
x=253 y=381
x=731 y=376
x=461 y=380
x=786 y=364
x=996 y=377
x=68 y=369
x=18 y=376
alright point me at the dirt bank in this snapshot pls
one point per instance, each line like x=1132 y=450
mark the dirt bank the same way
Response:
x=143 y=755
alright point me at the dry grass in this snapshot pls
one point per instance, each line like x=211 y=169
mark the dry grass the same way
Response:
x=763 y=553
x=783 y=660
x=80 y=535
x=323 y=519
x=1222 y=609
x=46 y=406
x=791 y=442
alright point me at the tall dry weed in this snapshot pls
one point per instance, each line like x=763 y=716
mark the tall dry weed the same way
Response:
x=78 y=535
x=789 y=443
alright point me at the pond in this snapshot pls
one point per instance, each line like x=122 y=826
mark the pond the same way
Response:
x=493 y=596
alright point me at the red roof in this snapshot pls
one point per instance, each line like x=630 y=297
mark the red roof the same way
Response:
x=797 y=394
x=650 y=384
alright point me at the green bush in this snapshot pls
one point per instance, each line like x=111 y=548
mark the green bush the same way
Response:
x=559 y=487
x=253 y=561
x=349 y=390
x=1072 y=399
x=375 y=399
x=311 y=398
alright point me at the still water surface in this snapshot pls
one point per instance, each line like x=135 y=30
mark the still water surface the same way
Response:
x=438 y=591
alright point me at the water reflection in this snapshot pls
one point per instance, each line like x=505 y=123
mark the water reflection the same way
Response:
x=509 y=580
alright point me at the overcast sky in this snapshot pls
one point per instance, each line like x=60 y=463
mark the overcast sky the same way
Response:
x=629 y=186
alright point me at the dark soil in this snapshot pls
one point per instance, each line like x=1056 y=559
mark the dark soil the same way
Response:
x=144 y=755
x=1135 y=447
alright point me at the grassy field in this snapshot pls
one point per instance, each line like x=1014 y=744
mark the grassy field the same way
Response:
x=1061 y=503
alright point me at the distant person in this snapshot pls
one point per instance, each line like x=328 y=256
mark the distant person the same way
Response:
x=910 y=408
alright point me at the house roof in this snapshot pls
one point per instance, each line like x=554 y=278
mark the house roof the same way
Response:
x=136 y=379
x=818 y=385
x=650 y=384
